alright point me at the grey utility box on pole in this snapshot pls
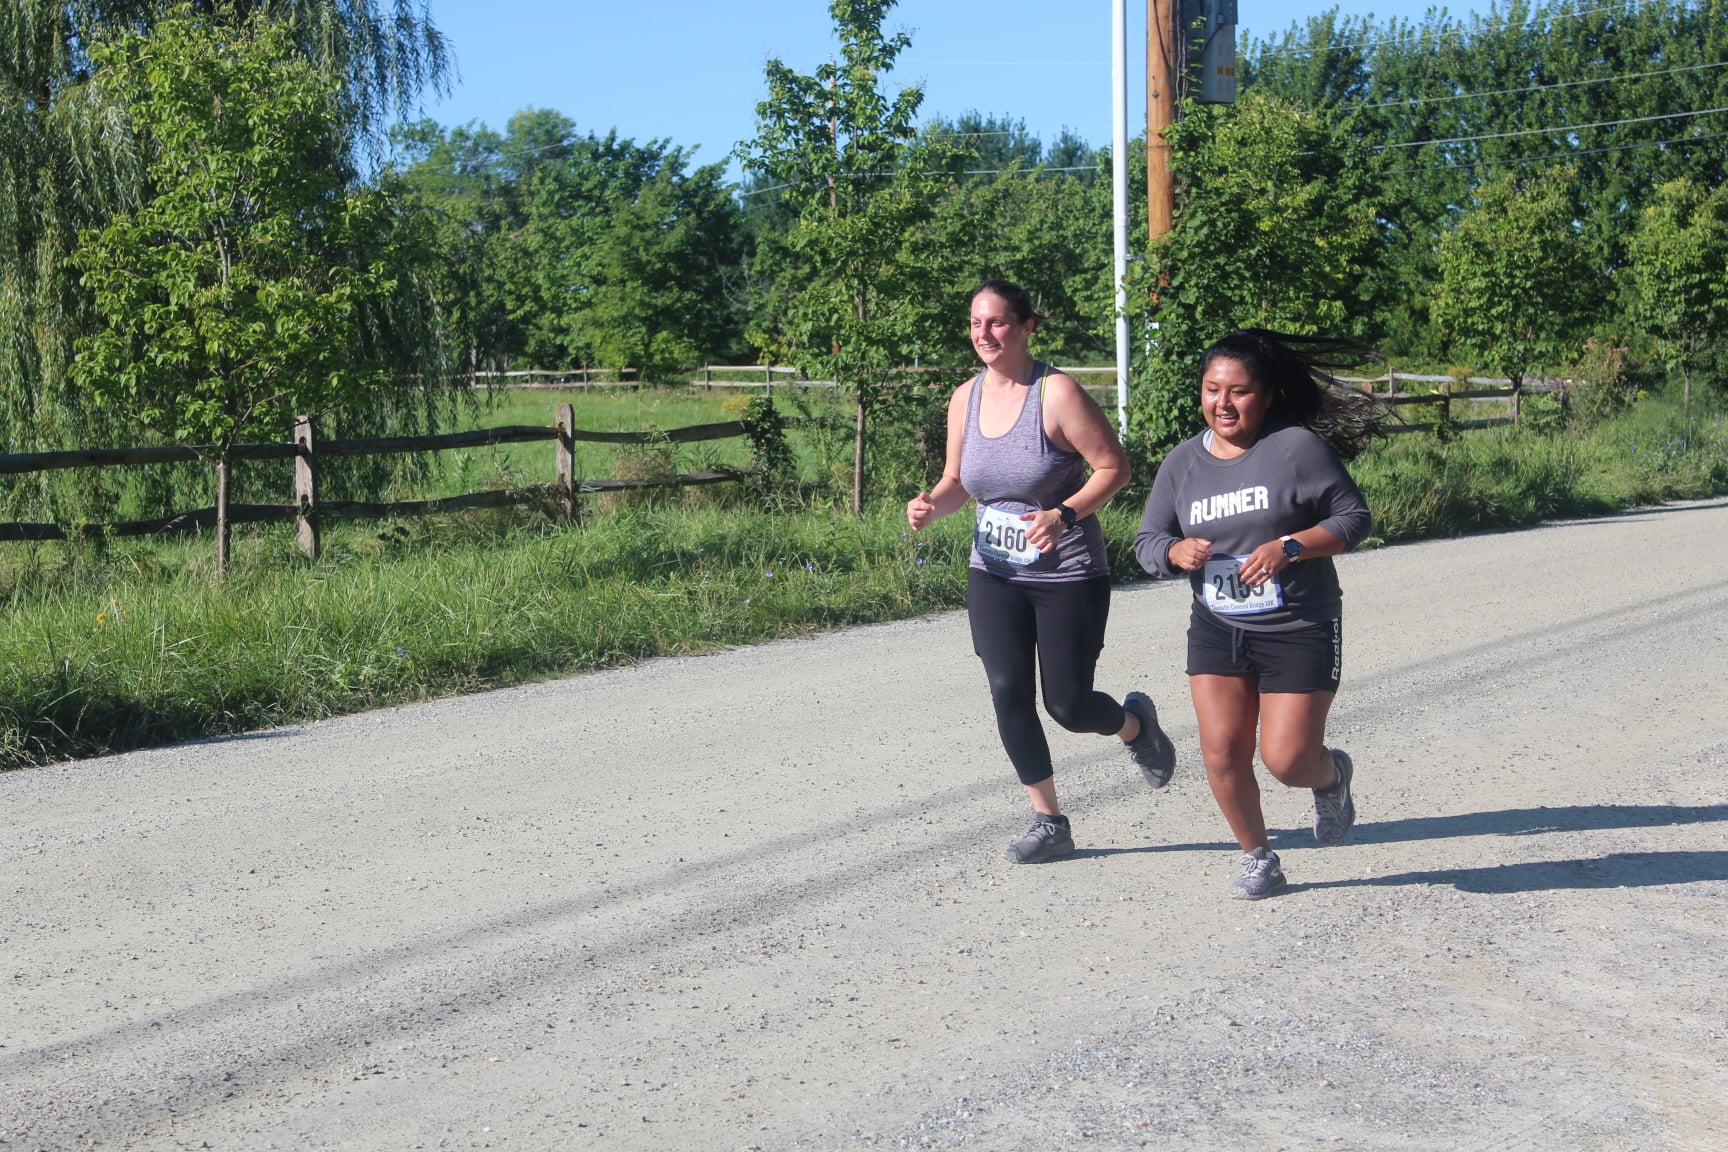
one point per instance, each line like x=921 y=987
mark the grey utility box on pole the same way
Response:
x=1211 y=48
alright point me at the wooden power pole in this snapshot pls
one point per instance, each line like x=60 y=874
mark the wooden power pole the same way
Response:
x=1163 y=62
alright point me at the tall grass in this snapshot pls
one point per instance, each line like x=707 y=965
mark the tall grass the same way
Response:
x=108 y=652
x=110 y=647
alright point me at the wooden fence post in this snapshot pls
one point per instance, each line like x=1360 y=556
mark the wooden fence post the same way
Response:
x=1518 y=402
x=1391 y=382
x=1444 y=416
x=306 y=487
x=564 y=466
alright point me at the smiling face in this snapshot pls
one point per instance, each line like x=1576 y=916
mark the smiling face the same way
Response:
x=1233 y=402
x=997 y=335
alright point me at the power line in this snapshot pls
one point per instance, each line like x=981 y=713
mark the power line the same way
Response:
x=1413 y=101
x=1540 y=131
x=1395 y=39
x=1034 y=170
x=1558 y=155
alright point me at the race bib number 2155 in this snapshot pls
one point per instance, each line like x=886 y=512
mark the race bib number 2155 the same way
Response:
x=1229 y=595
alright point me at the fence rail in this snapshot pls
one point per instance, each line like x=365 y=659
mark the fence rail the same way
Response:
x=1441 y=399
x=309 y=510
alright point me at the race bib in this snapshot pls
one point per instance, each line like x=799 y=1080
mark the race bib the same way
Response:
x=1000 y=537
x=1227 y=595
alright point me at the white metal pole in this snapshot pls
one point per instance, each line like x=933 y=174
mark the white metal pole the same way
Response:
x=1119 y=196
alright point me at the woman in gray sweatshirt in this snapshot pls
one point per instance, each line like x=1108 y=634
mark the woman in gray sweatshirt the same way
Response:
x=1253 y=509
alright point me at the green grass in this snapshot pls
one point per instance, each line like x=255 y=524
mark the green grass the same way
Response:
x=130 y=644
x=100 y=652
x=632 y=410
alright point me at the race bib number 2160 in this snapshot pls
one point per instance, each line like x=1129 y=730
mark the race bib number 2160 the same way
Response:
x=1001 y=537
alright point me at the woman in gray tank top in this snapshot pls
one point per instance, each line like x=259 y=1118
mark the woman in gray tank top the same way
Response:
x=1021 y=438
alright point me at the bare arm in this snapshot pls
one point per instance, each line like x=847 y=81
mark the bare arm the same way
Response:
x=1073 y=420
x=948 y=494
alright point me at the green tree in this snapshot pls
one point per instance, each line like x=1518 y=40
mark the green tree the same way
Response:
x=869 y=289
x=67 y=160
x=1679 y=272
x=231 y=297
x=1516 y=286
x=578 y=249
x=1275 y=227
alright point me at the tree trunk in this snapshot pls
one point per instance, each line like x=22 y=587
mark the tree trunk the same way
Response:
x=224 y=469
x=858 y=459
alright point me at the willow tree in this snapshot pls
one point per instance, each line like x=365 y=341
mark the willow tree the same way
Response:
x=68 y=162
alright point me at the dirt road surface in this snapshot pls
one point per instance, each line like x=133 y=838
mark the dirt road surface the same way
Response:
x=756 y=900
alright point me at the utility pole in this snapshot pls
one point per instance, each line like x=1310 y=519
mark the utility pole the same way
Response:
x=1164 y=58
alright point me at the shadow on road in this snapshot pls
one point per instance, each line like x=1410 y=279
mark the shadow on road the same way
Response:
x=1618 y=870
x=1511 y=822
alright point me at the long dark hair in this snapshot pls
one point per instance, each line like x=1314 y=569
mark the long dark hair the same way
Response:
x=1298 y=370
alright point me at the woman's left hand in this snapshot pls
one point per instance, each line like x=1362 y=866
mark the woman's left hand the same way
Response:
x=1044 y=528
x=1264 y=563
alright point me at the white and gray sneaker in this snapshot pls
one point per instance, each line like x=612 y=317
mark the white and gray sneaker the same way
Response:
x=1049 y=836
x=1334 y=809
x=1261 y=876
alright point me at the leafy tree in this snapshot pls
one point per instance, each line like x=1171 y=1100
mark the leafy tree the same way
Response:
x=869 y=289
x=67 y=160
x=1516 y=287
x=581 y=249
x=1275 y=225
x=231 y=295
x=1679 y=273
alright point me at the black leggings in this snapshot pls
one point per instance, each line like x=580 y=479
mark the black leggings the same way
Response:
x=1064 y=624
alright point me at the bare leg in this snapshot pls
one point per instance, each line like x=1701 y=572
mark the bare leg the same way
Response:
x=1292 y=735
x=1130 y=727
x=1043 y=796
x=1228 y=711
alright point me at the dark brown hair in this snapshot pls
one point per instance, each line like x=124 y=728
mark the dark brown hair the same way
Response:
x=1298 y=371
x=1019 y=300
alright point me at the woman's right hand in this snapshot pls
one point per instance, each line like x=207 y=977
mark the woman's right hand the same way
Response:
x=920 y=510
x=1191 y=554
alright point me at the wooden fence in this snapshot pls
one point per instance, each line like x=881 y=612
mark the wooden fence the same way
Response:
x=309 y=510
x=1485 y=388
x=767 y=376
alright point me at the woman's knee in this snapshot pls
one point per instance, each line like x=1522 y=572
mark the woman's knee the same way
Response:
x=1072 y=710
x=1289 y=759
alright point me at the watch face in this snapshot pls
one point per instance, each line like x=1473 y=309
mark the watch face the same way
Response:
x=1292 y=548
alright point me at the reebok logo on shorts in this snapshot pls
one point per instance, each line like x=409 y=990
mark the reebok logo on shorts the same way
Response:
x=1228 y=504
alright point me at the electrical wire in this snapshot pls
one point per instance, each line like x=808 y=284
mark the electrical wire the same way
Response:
x=1558 y=155
x=1540 y=131
x=1039 y=169
x=1501 y=28
x=1413 y=102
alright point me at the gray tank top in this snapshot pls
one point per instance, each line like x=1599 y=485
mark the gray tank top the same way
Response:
x=1022 y=471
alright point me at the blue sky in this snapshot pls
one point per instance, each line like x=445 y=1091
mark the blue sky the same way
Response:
x=691 y=70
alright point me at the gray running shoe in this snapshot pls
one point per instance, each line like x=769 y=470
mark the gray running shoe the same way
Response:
x=1334 y=810
x=1261 y=876
x=1046 y=838
x=1151 y=750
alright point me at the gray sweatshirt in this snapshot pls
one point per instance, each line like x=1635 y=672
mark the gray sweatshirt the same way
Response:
x=1288 y=480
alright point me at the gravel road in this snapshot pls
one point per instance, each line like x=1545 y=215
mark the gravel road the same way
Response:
x=756 y=900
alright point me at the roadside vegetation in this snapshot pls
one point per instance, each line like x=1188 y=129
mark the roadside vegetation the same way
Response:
x=207 y=272
x=105 y=648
